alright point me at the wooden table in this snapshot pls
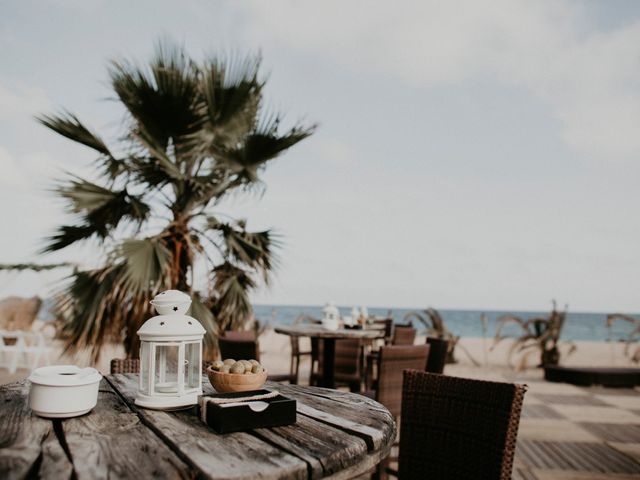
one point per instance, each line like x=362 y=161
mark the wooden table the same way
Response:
x=329 y=338
x=337 y=435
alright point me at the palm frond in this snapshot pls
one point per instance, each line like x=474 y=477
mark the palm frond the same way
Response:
x=86 y=305
x=203 y=313
x=147 y=264
x=35 y=267
x=69 y=234
x=504 y=320
x=163 y=99
x=232 y=94
x=611 y=318
x=262 y=145
x=231 y=286
x=102 y=210
x=251 y=249
x=68 y=125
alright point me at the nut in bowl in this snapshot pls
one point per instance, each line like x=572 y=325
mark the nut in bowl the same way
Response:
x=236 y=376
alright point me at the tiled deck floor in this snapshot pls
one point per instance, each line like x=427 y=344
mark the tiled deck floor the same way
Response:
x=573 y=433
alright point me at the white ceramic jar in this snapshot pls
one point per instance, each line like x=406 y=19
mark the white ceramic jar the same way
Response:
x=62 y=391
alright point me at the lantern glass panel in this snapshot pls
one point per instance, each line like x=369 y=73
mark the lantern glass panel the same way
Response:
x=166 y=374
x=192 y=365
x=144 y=367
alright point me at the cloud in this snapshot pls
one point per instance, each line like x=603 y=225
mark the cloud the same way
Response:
x=22 y=101
x=587 y=77
x=13 y=175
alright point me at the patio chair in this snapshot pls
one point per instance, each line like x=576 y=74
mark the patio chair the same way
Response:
x=387 y=389
x=296 y=356
x=239 y=335
x=388 y=328
x=403 y=335
x=457 y=428
x=392 y=360
x=132 y=365
x=23 y=349
x=247 y=350
x=238 y=348
x=125 y=365
x=348 y=365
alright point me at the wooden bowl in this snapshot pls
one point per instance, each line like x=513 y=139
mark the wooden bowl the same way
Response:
x=236 y=382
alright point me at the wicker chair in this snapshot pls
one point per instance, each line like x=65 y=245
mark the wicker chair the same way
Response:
x=247 y=350
x=132 y=365
x=239 y=335
x=348 y=365
x=403 y=335
x=125 y=365
x=388 y=328
x=392 y=361
x=457 y=428
x=238 y=349
x=296 y=356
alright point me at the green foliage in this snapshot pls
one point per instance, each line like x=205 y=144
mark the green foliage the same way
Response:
x=539 y=335
x=195 y=133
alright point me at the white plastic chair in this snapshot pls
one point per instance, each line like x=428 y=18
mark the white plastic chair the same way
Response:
x=16 y=346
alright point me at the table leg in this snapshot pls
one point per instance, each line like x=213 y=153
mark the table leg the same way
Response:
x=328 y=363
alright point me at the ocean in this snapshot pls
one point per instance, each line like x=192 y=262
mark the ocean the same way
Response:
x=466 y=323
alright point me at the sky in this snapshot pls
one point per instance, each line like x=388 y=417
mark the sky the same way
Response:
x=477 y=155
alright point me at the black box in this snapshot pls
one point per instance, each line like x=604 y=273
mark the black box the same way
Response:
x=281 y=411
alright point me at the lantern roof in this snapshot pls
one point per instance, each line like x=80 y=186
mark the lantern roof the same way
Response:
x=171 y=296
x=168 y=327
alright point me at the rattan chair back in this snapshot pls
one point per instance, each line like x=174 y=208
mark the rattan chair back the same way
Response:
x=403 y=335
x=348 y=363
x=238 y=349
x=245 y=335
x=125 y=365
x=392 y=361
x=457 y=428
x=388 y=328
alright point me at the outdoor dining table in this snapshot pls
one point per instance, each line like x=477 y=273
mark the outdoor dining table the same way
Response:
x=336 y=435
x=329 y=338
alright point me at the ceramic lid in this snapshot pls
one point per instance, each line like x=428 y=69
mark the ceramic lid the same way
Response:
x=170 y=296
x=175 y=326
x=64 y=376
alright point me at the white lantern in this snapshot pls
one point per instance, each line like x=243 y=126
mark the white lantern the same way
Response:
x=331 y=312
x=170 y=354
x=331 y=319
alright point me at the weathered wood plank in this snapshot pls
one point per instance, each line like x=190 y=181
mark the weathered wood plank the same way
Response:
x=230 y=456
x=352 y=413
x=28 y=444
x=111 y=442
x=333 y=446
x=326 y=450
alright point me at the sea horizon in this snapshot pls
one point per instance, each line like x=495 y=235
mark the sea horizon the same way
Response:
x=464 y=322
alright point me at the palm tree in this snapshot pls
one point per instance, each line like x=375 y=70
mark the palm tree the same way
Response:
x=195 y=133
